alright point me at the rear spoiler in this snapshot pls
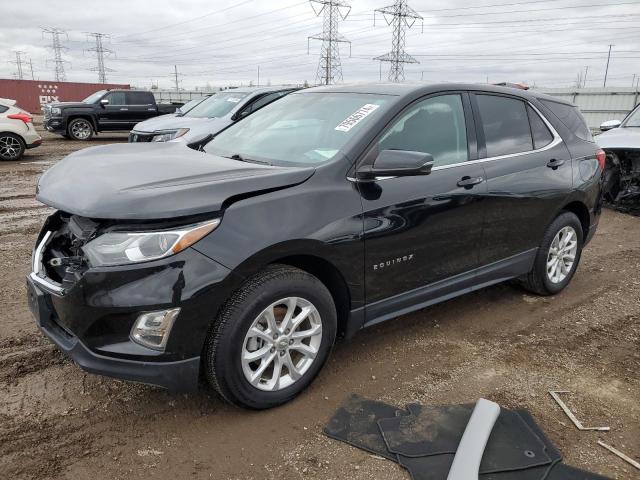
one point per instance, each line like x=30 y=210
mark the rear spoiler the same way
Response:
x=7 y=102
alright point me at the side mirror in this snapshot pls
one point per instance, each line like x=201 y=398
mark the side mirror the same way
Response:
x=610 y=124
x=104 y=102
x=396 y=163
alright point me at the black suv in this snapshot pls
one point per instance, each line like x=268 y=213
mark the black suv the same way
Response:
x=330 y=210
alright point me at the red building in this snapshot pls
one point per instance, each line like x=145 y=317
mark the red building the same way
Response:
x=33 y=94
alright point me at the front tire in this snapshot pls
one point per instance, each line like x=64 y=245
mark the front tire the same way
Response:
x=80 y=129
x=558 y=256
x=271 y=338
x=12 y=147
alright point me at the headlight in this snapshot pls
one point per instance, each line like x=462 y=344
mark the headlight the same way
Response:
x=122 y=248
x=55 y=111
x=166 y=136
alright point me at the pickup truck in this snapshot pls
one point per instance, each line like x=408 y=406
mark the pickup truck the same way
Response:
x=105 y=110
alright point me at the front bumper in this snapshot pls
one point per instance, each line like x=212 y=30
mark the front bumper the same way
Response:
x=55 y=124
x=91 y=319
x=179 y=376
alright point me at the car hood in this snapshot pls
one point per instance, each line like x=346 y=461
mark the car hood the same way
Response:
x=622 y=137
x=155 y=181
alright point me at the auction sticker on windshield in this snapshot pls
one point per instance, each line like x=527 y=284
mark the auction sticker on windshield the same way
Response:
x=356 y=117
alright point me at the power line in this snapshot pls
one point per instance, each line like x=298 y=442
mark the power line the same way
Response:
x=401 y=17
x=329 y=66
x=100 y=52
x=57 y=48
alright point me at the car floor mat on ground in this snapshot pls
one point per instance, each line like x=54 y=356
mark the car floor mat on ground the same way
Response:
x=356 y=423
x=436 y=467
x=513 y=445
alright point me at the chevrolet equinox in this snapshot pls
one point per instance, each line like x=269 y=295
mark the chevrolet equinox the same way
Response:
x=333 y=209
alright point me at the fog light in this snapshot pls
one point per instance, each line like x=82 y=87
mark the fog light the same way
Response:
x=152 y=328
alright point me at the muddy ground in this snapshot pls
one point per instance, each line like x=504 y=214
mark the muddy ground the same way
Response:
x=500 y=343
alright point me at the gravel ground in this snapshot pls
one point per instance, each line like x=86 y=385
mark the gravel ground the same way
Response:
x=500 y=343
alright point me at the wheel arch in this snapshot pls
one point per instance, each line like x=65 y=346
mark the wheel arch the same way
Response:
x=330 y=276
x=2 y=132
x=86 y=116
x=580 y=210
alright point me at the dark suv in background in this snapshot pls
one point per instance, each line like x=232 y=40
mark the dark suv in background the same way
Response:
x=330 y=210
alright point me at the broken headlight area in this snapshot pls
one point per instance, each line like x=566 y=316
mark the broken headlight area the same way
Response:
x=621 y=180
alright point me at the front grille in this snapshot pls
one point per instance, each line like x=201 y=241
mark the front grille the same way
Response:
x=135 y=137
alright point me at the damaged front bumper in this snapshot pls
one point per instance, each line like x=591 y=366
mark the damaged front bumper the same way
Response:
x=621 y=180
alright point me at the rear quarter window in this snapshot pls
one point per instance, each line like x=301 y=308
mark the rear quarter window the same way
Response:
x=3 y=108
x=572 y=118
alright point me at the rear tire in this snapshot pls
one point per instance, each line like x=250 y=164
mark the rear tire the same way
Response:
x=12 y=147
x=253 y=324
x=80 y=129
x=558 y=256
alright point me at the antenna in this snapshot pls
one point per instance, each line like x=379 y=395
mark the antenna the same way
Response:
x=100 y=52
x=329 y=65
x=18 y=61
x=57 y=49
x=400 y=16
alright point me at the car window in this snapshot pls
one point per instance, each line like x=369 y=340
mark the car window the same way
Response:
x=301 y=128
x=633 y=120
x=436 y=126
x=139 y=98
x=572 y=118
x=217 y=106
x=116 y=98
x=505 y=125
x=3 y=108
x=542 y=136
x=264 y=100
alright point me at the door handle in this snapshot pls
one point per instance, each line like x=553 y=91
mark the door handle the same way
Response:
x=469 y=182
x=124 y=109
x=554 y=163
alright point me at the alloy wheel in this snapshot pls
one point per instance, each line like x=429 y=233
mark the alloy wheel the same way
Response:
x=10 y=148
x=281 y=344
x=81 y=130
x=562 y=254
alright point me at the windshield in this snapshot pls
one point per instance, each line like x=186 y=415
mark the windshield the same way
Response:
x=94 y=97
x=191 y=103
x=217 y=106
x=634 y=119
x=300 y=129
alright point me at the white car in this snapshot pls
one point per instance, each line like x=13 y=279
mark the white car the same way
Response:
x=16 y=131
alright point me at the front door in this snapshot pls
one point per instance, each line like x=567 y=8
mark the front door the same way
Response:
x=115 y=114
x=422 y=231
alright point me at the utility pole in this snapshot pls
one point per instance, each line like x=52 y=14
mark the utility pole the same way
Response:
x=401 y=17
x=633 y=81
x=175 y=71
x=18 y=61
x=57 y=48
x=606 y=72
x=258 y=84
x=584 y=80
x=329 y=66
x=31 y=66
x=100 y=52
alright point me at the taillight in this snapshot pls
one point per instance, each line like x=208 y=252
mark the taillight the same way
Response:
x=602 y=158
x=20 y=116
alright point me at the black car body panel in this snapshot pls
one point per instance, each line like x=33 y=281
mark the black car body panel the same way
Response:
x=383 y=247
x=162 y=181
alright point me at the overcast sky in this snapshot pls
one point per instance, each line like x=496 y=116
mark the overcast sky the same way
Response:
x=222 y=42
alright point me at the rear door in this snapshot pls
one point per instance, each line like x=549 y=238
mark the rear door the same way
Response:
x=420 y=231
x=529 y=176
x=141 y=105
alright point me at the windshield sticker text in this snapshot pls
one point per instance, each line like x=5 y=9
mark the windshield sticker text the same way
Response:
x=356 y=117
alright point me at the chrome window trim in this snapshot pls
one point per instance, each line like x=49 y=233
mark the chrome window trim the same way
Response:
x=37 y=267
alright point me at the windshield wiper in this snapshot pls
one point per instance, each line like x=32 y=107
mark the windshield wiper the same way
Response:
x=237 y=156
